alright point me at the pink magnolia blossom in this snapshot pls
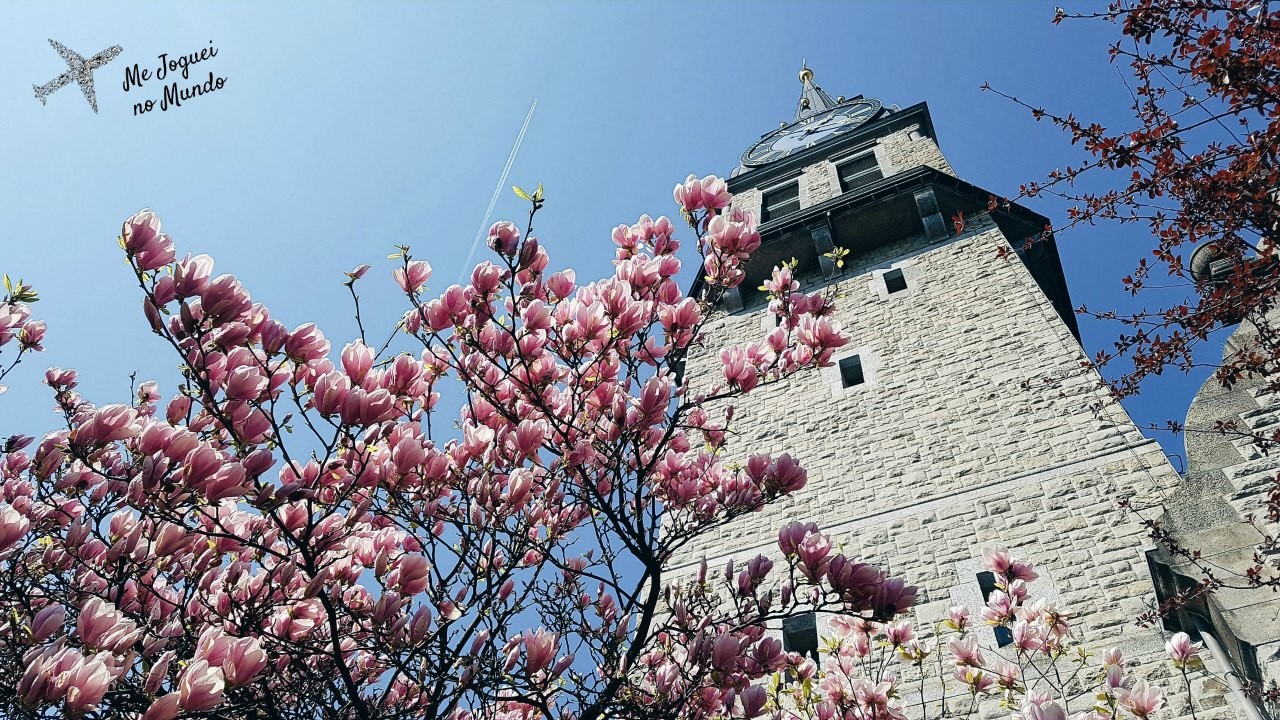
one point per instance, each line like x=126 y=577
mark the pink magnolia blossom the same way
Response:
x=966 y=651
x=1042 y=710
x=413 y=277
x=108 y=424
x=504 y=237
x=413 y=574
x=1141 y=700
x=539 y=649
x=724 y=653
x=753 y=701
x=144 y=242
x=102 y=626
x=791 y=534
x=48 y=621
x=165 y=707
x=86 y=684
x=1182 y=651
x=13 y=526
x=1113 y=657
x=978 y=681
x=813 y=552
x=244 y=659
x=1007 y=568
x=200 y=686
x=357 y=360
x=12 y=317
x=31 y=334
x=709 y=193
x=306 y=343
x=224 y=299
x=245 y=383
x=899 y=633
x=191 y=275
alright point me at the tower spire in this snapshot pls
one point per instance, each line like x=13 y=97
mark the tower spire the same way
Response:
x=812 y=99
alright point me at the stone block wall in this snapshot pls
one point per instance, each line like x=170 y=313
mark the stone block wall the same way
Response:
x=908 y=149
x=1228 y=479
x=976 y=427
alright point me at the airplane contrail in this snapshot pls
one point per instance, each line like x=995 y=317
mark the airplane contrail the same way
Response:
x=502 y=181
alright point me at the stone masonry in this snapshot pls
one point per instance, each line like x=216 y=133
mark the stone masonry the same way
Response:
x=1228 y=479
x=976 y=426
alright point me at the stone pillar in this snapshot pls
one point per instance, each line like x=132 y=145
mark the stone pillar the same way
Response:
x=732 y=301
x=823 y=244
x=935 y=226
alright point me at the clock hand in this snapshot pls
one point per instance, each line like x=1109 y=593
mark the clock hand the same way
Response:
x=816 y=128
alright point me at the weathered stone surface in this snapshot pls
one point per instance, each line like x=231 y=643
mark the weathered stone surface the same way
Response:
x=1228 y=479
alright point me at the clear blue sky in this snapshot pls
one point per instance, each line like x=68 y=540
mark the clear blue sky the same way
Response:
x=344 y=130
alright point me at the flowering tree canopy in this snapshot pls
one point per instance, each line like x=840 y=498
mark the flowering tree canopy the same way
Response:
x=1197 y=166
x=298 y=533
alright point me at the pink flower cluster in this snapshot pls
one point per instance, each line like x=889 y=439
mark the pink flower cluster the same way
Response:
x=866 y=658
x=298 y=525
x=16 y=324
x=856 y=679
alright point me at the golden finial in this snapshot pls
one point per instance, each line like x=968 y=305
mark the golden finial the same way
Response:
x=806 y=75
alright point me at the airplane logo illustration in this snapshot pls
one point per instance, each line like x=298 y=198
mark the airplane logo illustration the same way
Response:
x=79 y=71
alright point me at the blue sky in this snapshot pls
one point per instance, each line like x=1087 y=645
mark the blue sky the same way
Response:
x=344 y=130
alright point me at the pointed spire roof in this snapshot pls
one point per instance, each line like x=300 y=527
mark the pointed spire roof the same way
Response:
x=812 y=99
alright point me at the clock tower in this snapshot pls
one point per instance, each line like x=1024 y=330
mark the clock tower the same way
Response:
x=962 y=414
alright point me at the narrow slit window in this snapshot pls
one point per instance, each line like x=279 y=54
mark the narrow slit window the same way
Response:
x=782 y=201
x=851 y=371
x=860 y=171
x=987 y=583
x=800 y=635
x=895 y=281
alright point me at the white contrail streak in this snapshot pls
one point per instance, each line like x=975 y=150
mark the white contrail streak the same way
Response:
x=502 y=181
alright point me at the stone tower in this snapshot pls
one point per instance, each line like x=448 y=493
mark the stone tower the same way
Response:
x=960 y=415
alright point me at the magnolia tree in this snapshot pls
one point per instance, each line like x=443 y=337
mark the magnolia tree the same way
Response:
x=297 y=533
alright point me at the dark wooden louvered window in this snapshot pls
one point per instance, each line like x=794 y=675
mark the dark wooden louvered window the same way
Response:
x=860 y=171
x=782 y=201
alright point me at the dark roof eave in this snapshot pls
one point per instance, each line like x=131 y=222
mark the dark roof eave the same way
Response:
x=892 y=186
x=884 y=188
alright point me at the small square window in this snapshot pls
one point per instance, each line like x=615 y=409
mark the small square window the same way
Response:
x=895 y=281
x=782 y=201
x=800 y=634
x=987 y=583
x=851 y=371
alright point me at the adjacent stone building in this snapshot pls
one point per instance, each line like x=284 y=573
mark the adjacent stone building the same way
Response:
x=1227 y=480
x=962 y=415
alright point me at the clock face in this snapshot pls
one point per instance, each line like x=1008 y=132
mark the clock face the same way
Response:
x=810 y=131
